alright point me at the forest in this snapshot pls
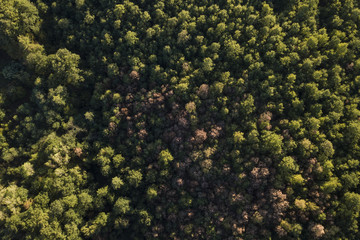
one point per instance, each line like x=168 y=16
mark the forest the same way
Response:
x=174 y=119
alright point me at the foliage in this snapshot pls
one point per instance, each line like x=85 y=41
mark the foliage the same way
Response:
x=179 y=119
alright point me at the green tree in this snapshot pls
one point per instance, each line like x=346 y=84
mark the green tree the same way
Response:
x=64 y=66
x=17 y=17
x=165 y=157
x=122 y=206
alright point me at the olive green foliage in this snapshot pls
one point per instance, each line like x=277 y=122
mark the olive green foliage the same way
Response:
x=176 y=119
x=17 y=18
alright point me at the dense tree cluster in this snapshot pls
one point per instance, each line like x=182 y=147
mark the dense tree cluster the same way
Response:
x=172 y=119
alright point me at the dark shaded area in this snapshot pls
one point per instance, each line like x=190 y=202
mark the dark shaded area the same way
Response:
x=4 y=60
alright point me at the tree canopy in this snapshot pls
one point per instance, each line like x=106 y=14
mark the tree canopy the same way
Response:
x=174 y=119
